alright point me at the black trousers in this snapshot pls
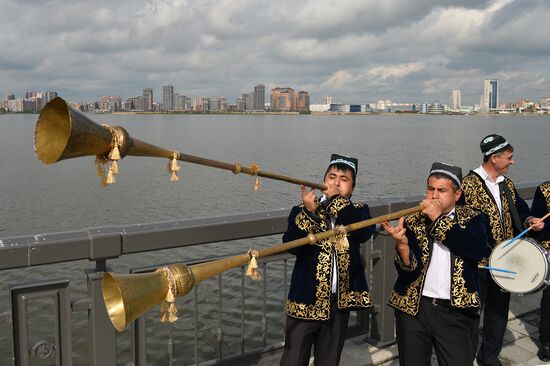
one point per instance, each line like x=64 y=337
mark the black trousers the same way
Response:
x=544 y=325
x=495 y=304
x=436 y=326
x=326 y=337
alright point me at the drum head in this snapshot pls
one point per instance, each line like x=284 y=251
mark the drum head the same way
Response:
x=525 y=257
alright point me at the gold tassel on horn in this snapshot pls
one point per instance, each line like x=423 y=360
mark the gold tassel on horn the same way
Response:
x=168 y=309
x=115 y=153
x=99 y=170
x=114 y=165
x=255 y=169
x=173 y=167
x=252 y=270
x=110 y=178
x=340 y=241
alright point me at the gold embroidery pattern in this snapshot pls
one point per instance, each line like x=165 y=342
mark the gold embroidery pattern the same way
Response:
x=306 y=223
x=411 y=267
x=545 y=189
x=320 y=310
x=336 y=205
x=347 y=298
x=477 y=197
x=460 y=297
x=408 y=303
x=441 y=226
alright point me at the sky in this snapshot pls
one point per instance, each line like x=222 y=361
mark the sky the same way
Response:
x=356 y=51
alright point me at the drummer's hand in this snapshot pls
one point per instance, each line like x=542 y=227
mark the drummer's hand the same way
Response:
x=401 y=242
x=431 y=208
x=536 y=224
x=309 y=199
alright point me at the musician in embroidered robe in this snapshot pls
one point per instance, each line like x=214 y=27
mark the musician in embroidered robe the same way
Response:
x=328 y=278
x=539 y=208
x=435 y=296
x=487 y=189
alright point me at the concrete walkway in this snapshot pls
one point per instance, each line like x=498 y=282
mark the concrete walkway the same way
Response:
x=520 y=340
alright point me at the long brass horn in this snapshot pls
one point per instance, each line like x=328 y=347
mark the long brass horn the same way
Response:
x=128 y=296
x=63 y=132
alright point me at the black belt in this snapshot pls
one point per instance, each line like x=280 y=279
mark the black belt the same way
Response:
x=437 y=302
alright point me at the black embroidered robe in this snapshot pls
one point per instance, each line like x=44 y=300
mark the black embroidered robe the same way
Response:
x=311 y=282
x=539 y=208
x=465 y=236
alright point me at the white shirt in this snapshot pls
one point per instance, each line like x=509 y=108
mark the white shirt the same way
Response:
x=437 y=283
x=493 y=186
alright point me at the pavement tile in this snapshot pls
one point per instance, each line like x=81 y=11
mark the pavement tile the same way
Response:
x=516 y=355
x=522 y=327
x=528 y=344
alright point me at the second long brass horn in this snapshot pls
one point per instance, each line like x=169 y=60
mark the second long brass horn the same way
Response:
x=63 y=132
x=128 y=296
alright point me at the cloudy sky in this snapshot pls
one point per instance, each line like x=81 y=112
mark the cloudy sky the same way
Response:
x=352 y=50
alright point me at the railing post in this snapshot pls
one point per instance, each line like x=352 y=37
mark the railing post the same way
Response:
x=102 y=333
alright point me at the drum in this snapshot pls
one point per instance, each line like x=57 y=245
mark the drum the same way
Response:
x=528 y=259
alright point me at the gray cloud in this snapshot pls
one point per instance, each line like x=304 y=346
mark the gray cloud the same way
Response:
x=353 y=50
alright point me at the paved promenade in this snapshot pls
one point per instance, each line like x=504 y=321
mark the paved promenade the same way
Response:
x=520 y=340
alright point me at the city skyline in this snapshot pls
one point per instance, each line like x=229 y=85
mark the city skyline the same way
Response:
x=353 y=51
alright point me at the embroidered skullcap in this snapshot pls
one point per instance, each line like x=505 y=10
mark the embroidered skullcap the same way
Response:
x=344 y=160
x=452 y=172
x=493 y=144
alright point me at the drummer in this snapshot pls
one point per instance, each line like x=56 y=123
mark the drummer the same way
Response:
x=436 y=296
x=540 y=207
x=487 y=189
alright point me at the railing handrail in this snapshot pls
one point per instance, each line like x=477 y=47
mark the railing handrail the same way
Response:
x=109 y=242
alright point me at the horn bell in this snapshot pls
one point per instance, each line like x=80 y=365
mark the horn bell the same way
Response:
x=127 y=296
x=62 y=133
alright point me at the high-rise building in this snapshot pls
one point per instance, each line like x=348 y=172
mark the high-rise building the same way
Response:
x=147 y=100
x=282 y=99
x=240 y=104
x=168 y=97
x=50 y=94
x=110 y=103
x=182 y=102
x=5 y=100
x=490 y=95
x=328 y=100
x=302 y=102
x=456 y=99
x=259 y=98
x=248 y=101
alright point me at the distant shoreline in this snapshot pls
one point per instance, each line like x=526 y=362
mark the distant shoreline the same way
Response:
x=311 y=113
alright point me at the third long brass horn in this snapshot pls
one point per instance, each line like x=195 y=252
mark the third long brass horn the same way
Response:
x=63 y=133
x=128 y=296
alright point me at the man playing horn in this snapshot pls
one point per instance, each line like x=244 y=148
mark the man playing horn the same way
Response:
x=436 y=296
x=328 y=277
x=539 y=208
x=487 y=189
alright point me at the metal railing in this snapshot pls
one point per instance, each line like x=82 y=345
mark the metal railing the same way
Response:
x=55 y=302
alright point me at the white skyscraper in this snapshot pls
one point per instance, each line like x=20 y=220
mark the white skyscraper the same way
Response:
x=456 y=99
